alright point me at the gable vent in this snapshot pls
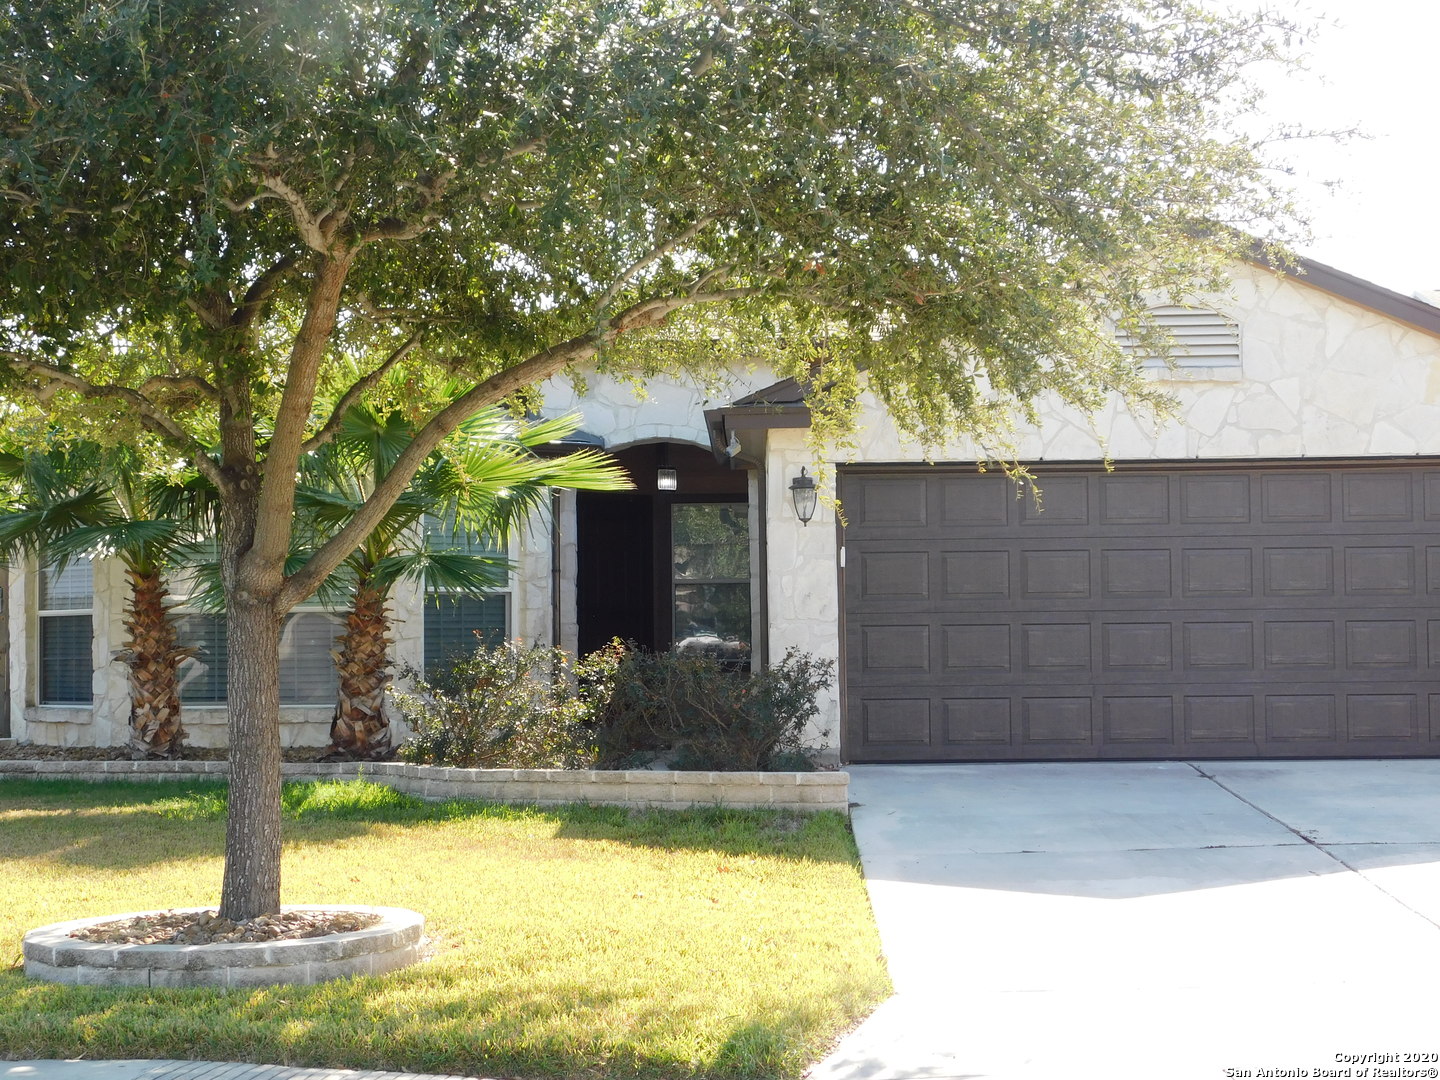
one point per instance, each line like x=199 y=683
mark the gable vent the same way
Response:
x=1203 y=340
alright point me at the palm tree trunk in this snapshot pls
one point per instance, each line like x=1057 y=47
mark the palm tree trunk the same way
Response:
x=153 y=658
x=360 y=730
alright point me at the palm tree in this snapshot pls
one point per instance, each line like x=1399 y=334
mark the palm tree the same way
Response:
x=83 y=499
x=485 y=482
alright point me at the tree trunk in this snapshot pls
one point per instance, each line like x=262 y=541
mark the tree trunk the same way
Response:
x=360 y=729
x=251 y=885
x=153 y=658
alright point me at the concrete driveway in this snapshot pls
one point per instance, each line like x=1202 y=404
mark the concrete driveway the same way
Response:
x=1159 y=920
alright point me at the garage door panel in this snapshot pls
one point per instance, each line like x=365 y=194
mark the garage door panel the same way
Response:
x=1381 y=643
x=1049 y=647
x=1215 y=499
x=1050 y=720
x=984 y=576
x=1430 y=495
x=1370 y=717
x=887 y=576
x=978 y=722
x=895 y=649
x=1297 y=718
x=1299 y=571
x=973 y=649
x=1375 y=496
x=1217 y=572
x=1136 y=573
x=896 y=722
x=1218 y=718
x=1063 y=503
x=1224 y=644
x=1140 y=719
x=1137 y=647
x=1271 y=611
x=1055 y=575
x=970 y=502
x=1382 y=571
x=1300 y=644
x=1134 y=500
x=1290 y=497
x=888 y=504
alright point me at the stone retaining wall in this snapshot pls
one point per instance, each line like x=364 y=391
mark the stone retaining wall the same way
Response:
x=544 y=787
x=53 y=955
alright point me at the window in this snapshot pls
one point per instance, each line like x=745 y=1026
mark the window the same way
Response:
x=455 y=624
x=710 y=579
x=307 y=671
x=1205 y=342
x=67 y=662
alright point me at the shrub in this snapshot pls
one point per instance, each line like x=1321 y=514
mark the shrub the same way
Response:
x=707 y=714
x=510 y=706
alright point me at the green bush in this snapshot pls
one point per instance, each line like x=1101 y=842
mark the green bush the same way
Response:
x=619 y=708
x=706 y=714
x=509 y=706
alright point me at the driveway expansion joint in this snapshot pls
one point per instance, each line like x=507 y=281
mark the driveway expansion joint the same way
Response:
x=1317 y=845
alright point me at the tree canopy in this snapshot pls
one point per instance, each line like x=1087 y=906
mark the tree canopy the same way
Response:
x=214 y=215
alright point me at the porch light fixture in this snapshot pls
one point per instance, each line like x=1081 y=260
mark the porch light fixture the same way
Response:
x=802 y=491
x=666 y=480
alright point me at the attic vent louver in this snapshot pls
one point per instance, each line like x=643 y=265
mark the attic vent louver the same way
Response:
x=1203 y=340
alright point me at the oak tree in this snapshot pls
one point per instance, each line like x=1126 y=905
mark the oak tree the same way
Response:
x=215 y=214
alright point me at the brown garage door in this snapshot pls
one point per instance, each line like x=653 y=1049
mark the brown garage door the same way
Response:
x=1282 y=611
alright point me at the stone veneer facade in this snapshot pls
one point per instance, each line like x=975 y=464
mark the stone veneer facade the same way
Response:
x=1320 y=377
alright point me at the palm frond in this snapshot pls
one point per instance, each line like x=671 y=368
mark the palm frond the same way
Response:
x=439 y=569
x=142 y=545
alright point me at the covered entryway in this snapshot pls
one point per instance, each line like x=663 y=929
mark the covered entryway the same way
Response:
x=1154 y=612
x=667 y=566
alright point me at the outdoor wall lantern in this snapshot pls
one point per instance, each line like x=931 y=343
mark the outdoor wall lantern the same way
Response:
x=802 y=491
x=666 y=480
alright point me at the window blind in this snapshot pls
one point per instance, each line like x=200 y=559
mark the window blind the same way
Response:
x=456 y=625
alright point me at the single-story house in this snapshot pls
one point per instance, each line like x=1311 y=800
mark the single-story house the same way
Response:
x=1253 y=580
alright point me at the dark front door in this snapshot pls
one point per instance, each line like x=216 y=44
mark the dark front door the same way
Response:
x=670 y=566
x=615 y=572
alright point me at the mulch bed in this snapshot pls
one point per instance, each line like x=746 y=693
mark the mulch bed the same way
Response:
x=207 y=928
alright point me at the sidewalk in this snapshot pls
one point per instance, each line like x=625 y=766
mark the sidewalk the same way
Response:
x=152 y=1069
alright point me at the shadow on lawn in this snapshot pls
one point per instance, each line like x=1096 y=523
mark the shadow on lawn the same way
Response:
x=69 y=819
x=407 y=1022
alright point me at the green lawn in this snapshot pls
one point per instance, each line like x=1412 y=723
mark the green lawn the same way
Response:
x=578 y=942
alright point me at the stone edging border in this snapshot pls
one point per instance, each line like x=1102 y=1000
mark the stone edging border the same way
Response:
x=802 y=791
x=53 y=955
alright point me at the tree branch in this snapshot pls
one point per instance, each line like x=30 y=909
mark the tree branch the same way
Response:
x=260 y=291
x=359 y=389
x=499 y=386
x=308 y=223
x=651 y=257
x=431 y=192
x=214 y=312
x=276 y=503
x=150 y=416
x=180 y=382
